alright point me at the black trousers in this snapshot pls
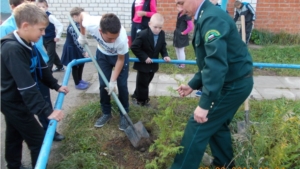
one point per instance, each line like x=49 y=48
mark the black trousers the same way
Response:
x=143 y=80
x=50 y=46
x=77 y=73
x=20 y=125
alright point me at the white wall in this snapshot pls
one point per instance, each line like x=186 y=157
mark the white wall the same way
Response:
x=122 y=8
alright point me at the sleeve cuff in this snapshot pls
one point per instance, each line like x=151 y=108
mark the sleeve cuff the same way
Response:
x=205 y=102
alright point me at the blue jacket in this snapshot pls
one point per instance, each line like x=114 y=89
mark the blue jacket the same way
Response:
x=9 y=25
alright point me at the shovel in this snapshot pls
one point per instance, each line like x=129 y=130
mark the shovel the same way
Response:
x=134 y=132
x=242 y=125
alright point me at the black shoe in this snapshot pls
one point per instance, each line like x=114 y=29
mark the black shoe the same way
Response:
x=141 y=103
x=102 y=120
x=58 y=69
x=123 y=123
x=58 y=137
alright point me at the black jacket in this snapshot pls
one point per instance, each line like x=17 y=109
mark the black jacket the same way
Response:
x=143 y=47
x=145 y=19
x=21 y=67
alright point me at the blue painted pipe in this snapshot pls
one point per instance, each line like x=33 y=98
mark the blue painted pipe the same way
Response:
x=48 y=139
x=45 y=150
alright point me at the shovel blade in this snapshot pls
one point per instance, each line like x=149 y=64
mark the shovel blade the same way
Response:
x=241 y=126
x=136 y=132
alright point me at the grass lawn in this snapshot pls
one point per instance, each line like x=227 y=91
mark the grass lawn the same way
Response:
x=272 y=140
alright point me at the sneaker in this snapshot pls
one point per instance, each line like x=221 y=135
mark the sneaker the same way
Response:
x=58 y=137
x=181 y=66
x=198 y=93
x=84 y=82
x=81 y=86
x=102 y=120
x=123 y=123
x=58 y=69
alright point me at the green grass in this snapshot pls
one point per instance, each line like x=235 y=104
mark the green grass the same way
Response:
x=271 y=141
x=266 y=54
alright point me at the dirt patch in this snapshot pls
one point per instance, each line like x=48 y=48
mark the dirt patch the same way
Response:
x=126 y=155
x=264 y=72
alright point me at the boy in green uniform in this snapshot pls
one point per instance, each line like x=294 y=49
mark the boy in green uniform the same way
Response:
x=225 y=75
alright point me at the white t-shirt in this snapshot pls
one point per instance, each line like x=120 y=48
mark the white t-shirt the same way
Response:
x=119 y=47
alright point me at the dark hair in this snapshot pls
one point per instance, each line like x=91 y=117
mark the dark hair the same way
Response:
x=43 y=1
x=76 y=11
x=110 y=23
x=15 y=3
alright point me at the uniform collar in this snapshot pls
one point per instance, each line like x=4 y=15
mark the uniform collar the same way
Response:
x=197 y=12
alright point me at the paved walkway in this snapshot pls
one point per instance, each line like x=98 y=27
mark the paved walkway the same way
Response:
x=265 y=87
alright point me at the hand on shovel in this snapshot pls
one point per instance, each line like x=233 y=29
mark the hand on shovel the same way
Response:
x=111 y=87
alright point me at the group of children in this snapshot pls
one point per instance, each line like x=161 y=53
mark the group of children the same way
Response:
x=24 y=70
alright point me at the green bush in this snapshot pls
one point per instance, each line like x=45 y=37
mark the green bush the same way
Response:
x=264 y=37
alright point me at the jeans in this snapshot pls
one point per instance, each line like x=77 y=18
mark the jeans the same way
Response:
x=106 y=63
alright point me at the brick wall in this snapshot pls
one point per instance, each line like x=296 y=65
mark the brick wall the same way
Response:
x=61 y=8
x=273 y=15
x=279 y=15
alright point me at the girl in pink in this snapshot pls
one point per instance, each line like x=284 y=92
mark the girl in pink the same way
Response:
x=141 y=12
x=184 y=25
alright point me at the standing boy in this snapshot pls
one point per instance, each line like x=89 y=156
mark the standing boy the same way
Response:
x=112 y=52
x=247 y=10
x=52 y=35
x=22 y=68
x=147 y=46
x=225 y=75
x=9 y=26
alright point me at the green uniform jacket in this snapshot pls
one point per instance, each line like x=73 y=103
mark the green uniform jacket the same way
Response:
x=221 y=55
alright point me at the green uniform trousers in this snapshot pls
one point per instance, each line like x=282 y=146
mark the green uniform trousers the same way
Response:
x=215 y=131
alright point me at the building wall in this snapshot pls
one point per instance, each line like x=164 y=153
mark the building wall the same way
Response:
x=279 y=15
x=273 y=15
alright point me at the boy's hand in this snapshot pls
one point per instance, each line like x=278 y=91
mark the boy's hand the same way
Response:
x=82 y=40
x=57 y=115
x=149 y=60
x=111 y=87
x=184 y=90
x=85 y=54
x=167 y=59
x=63 y=89
x=56 y=39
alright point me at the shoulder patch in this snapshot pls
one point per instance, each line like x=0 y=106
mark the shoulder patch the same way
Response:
x=211 y=35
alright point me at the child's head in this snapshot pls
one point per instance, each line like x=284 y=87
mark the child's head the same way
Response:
x=237 y=4
x=43 y=4
x=31 y=21
x=110 y=27
x=156 y=23
x=15 y=3
x=75 y=13
x=214 y=1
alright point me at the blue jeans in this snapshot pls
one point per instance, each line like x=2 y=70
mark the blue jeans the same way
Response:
x=106 y=63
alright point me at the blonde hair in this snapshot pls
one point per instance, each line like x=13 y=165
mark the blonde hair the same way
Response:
x=28 y=12
x=76 y=11
x=157 y=17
